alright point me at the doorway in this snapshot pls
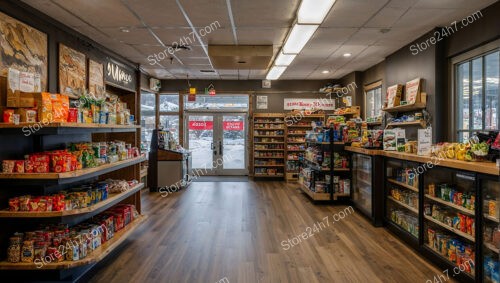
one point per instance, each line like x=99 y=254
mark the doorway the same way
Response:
x=218 y=142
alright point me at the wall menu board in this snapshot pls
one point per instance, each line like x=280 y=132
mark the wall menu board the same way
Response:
x=119 y=75
x=23 y=48
x=308 y=104
x=72 y=70
x=413 y=90
x=96 y=78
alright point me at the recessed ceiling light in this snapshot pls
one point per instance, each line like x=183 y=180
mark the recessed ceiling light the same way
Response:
x=124 y=29
x=325 y=72
x=347 y=54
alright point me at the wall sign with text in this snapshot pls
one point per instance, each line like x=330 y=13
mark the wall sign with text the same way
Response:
x=120 y=75
x=308 y=104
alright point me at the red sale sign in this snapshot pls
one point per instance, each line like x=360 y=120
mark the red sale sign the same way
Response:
x=233 y=126
x=201 y=125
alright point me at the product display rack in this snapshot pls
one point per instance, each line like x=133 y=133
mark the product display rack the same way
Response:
x=312 y=171
x=297 y=124
x=447 y=194
x=53 y=136
x=268 y=138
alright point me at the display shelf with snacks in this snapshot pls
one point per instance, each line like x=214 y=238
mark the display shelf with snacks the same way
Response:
x=61 y=174
x=269 y=145
x=52 y=261
x=326 y=175
x=490 y=188
x=297 y=125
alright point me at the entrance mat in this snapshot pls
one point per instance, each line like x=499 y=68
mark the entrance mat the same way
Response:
x=221 y=179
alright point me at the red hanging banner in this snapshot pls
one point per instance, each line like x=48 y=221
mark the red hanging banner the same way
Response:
x=233 y=126
x=201 y=125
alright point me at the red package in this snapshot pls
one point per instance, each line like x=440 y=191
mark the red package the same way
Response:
x=33 y=204
x=14 y=204
x=8 y=116
x=19 y=166
x=28 y=166
x=58 y=162
x=39 y=157
x=463 y=221
x=41 y=167
x=119 y=221
x=469 y=224
x=73 y=115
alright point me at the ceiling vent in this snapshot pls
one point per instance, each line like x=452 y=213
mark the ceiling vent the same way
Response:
x=240 y=57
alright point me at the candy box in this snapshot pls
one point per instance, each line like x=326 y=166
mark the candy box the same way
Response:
x=19 y=166
x=8 y=166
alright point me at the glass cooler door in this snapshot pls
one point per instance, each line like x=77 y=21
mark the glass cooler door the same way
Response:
x=362 y=183
x=491 y=227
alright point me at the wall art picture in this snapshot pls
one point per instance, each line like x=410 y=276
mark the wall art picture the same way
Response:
x=72 y=70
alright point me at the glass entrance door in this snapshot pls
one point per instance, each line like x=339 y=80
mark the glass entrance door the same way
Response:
x=218 y=143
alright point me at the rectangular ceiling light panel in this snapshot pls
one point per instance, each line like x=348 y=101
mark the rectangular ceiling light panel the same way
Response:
x=314 y=11
x=275 y=72
x=298 y=38
x=284 y=59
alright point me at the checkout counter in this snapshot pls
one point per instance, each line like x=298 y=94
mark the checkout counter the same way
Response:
x=167 y=168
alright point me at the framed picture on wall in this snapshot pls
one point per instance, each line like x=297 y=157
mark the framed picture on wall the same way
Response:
x=96 y=78
x=24 y=49
x=72 y=70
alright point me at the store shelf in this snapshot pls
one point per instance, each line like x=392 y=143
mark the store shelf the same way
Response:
x=262 y=157
x=264 y=136
x=268 y=142
x=296 y=134
x=72 y=176
x=64 y=128
x=313 y=195
x=341 y=169
x=296 y=150
x=405 y=108
x=492 y=248
x=422 y=124
x=269 y=129
x=100 y=206
x=488 y=168
x=300 y=126
x=403 y=185
x=268 y=176
x=412 y=209
x=96 y=256
x=364 y=150
x=450 y=263
x=270 y=165
x=458 y=232
x=447 y=203
x=494 y=219
x=281 y=122
x=277 y=149
x=374 y=123
x=295 y=142
x=340 y=195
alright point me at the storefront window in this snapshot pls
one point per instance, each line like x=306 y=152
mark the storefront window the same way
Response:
x=148 y=117
x=477 y=94
x=169 y=103
x=171 y=123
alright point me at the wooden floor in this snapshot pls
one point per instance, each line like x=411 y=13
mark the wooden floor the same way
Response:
x=234 y=230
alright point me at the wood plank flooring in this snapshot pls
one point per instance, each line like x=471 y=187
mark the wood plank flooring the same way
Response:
x=234 y=230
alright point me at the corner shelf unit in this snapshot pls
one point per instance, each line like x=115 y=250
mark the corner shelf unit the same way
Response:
x=297 y=124
x=268 y=139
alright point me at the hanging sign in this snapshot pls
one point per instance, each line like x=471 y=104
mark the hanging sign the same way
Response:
x=308 y=104
x=201 y=125
x=233 y=126
x=119 y=75
x=210 y=90
x=191 y=96
x=192 y=90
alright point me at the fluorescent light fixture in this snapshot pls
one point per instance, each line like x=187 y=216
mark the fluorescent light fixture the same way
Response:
x=347 y=54
x=314 y=11
x=275 y=72
x=284 y=59
x=298 y=38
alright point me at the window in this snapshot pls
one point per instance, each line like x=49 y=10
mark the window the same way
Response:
x=169 y=113
x=148 y=117
x=373 y=100
x=218 y=102
x=477 y=93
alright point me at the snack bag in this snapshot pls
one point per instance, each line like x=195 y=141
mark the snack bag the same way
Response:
x=8 y=116
x=57 y=108
x=43 y=102
x=64 y=111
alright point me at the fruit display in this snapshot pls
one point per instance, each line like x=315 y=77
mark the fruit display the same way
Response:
x=468 y=151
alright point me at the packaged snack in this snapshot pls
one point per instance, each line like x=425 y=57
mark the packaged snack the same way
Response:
x=43 y=103
x=72 y=115
x=8 y=116
x=19 y=166
x=463 y=222
x=28 y=166
x=27 y=252
x=469 y=226
x=8 y=166
x=14 y=204
x=27 y=115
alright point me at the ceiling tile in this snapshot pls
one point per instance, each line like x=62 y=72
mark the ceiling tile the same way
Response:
x=204 y=13
x=352 y=13
x=99 y=13
x=386 y=17
x=325 y=38
x=264 y=13
x=453 y=4
x=154 y=12
x=134 y=36
x=433 y=17
x=49 y=8
x=261 y=36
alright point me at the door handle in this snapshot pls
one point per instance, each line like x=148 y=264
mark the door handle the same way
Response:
x=212 y=147
x=220 y=147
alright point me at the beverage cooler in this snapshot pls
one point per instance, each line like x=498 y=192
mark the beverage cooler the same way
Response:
x=362 y=183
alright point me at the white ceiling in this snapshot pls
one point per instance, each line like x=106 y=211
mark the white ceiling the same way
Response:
x=352 y=26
